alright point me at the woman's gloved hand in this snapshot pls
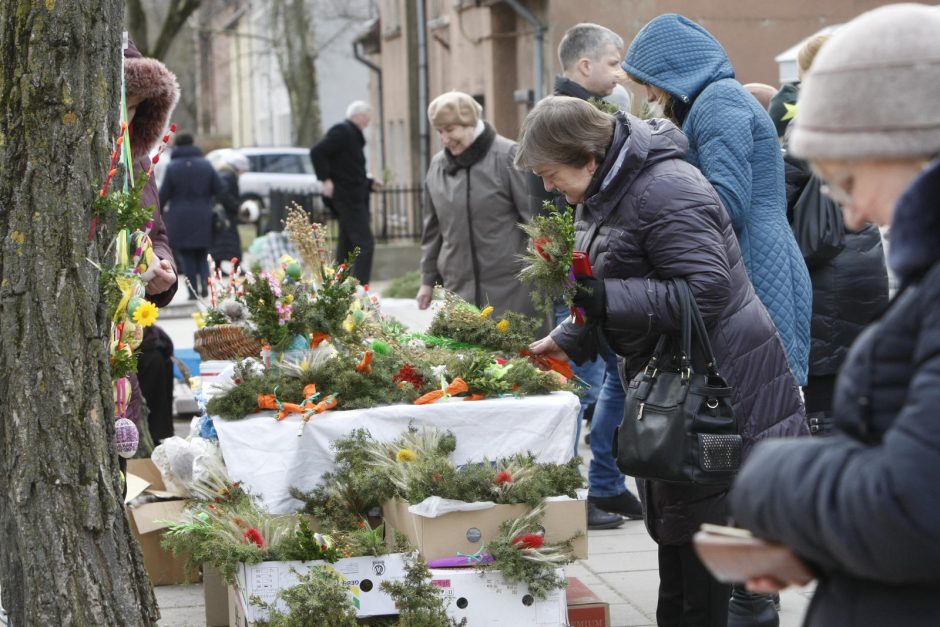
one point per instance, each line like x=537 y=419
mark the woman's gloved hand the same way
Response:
x=591 y=296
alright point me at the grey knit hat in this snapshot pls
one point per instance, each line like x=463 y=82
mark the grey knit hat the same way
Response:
x=874 y=89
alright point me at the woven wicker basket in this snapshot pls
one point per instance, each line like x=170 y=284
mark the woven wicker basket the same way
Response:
x=225 y=341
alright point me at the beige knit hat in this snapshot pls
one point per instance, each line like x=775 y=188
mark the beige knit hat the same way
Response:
x=873 y=92
x=454 y=108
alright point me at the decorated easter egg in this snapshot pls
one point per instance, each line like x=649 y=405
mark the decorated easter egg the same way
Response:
x=126 y=437
x=133 y=334
x=293 y=270
x=132 y=306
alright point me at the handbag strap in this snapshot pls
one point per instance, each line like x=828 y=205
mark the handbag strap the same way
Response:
x=692 y=316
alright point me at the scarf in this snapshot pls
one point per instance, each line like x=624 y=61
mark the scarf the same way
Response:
x=474 y=152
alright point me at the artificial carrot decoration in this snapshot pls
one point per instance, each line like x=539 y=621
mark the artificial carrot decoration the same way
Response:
x=310 y=389
x=457 y=386
x=318 y=337
x=429 y=398
x=475 y=397
x=326 y=404
x=363 y=366
x=267 y=401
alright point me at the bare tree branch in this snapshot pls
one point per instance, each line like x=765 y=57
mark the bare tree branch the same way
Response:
x=176 y=17
x=137 y=26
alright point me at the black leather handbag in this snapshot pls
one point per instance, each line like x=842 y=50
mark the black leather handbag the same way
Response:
x=678 y=424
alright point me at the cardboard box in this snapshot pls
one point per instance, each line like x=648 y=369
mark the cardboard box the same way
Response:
x=148 y=520
x=445 y=535
x=363 y=576
x=488 y=600
x=216 y=597
x=585 y=609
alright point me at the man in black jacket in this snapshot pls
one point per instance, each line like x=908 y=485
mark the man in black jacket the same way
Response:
x=341 y=166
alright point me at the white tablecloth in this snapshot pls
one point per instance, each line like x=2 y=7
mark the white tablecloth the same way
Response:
x=268 y=456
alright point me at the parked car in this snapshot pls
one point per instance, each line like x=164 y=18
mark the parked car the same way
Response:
x=285 y=169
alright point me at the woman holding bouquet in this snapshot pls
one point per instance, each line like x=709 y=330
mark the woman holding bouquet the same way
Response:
x=645 y=216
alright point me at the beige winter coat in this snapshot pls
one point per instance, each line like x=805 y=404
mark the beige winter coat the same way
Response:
x=472 y=242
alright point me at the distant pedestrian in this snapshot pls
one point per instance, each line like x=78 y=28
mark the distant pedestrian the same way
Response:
x=187 y=198
x=226 y=243
x=340 y=165
x=471 y=242
x=734 y=143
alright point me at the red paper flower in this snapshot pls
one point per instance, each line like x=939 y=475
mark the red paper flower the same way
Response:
x=502 y=477
x=253 y=535
x=409 y=374
x=539 y=248
x=529 y=541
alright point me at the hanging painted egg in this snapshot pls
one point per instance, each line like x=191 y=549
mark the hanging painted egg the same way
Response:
x=133 y=334
x=126 y=437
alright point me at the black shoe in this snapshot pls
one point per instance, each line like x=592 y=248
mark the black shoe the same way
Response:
x=624 y=504
x=599 y=519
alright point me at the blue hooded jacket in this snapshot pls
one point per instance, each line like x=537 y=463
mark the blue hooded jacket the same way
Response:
x=733 y=142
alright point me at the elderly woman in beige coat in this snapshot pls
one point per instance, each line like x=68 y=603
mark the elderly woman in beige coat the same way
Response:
x=472 y=243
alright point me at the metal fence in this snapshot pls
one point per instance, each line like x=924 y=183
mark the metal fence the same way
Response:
x=396 y=212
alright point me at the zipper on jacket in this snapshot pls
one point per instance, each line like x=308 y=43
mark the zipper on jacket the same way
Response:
x=478 y=297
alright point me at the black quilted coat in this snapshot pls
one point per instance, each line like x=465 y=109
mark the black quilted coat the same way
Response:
x=863 y=506
x=650 y=216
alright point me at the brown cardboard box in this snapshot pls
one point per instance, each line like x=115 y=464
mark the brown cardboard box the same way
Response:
x=585 y=609
x=445 y=535
x=148 y=521
x=216 y=597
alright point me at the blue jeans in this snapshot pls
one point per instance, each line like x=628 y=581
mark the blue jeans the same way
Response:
x=591 y=372
x=604 y=478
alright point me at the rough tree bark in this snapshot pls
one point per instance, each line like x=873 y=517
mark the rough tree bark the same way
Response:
x=296 y=57
x=67 y=556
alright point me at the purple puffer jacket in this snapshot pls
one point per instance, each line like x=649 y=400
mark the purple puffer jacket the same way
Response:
x=649 y=216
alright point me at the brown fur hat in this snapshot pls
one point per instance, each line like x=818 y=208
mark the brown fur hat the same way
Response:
x=150 y=79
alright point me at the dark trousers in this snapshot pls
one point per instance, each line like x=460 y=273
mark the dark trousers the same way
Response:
x=155 y=376
x=688 y=594
x=354 y=231
x=196 y=268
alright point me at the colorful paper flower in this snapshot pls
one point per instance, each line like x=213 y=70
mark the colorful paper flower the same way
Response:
x=502 y=326
x=529 y=541
x=254 y=536
x=145 y=314
x=487 y=311
x=200 y=321
x=405 y=455
x=502 y=478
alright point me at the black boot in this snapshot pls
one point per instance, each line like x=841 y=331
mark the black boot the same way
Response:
x=751 y=609
x=624 y=504
x=599 y=519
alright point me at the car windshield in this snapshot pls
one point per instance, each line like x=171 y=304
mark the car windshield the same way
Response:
x=283 y=163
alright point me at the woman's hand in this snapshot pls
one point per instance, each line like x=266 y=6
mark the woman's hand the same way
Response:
x=425 y=293
x=765 y=584
x=547 y=346
x=163 y=278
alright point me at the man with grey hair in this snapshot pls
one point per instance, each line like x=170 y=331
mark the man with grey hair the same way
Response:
x=590 y=57
x=340 y=165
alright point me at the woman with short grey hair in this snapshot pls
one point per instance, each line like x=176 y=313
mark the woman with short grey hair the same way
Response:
x=645 y=216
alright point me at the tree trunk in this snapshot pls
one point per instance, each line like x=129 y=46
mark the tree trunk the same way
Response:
x=296 y=55
x=67 y=556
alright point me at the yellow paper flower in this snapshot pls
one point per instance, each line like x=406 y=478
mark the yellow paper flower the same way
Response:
x=486 y=312
x=502 y=326
x=200 y=321
x=289 y=299
x=406 y=455
x=146 y=314
x=349 y=324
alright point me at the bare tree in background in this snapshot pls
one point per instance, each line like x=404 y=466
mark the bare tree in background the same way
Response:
x=297 y=52
x=67 y=556
x=176 y=15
